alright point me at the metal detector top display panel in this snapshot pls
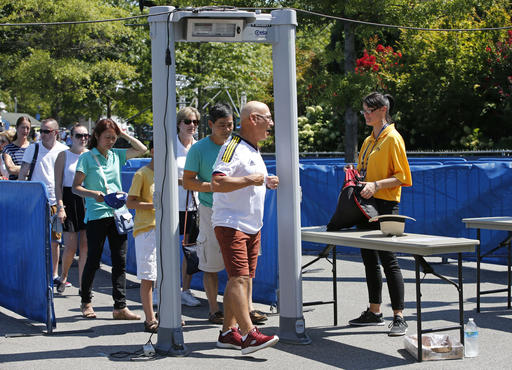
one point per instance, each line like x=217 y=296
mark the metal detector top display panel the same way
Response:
x=222 y=26
x=207 y=29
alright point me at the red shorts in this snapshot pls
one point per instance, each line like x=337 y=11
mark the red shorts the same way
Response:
x=239 y=251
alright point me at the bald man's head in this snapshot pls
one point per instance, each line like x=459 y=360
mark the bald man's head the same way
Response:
x=251 y=107
x=255 y=121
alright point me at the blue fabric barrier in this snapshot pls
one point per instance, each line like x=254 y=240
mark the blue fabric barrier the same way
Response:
x=26 y=285
x=439 y=198
x=265 y=283
x=441 y=195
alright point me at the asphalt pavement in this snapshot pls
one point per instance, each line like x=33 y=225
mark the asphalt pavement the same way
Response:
x=104 y=343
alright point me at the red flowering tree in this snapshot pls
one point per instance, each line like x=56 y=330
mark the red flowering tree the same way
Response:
x=382 y=60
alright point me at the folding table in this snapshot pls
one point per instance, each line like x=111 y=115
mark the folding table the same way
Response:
x=418 y=245
x=491 y=223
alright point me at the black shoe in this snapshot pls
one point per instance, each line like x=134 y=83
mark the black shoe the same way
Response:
x=61 y=287
x=368 y=318
x=398 y=326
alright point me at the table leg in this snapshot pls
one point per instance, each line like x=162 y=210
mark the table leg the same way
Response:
x=509 y=272
x=461 y=300
x=335 y=286
x=418 y=309
x=478 y=271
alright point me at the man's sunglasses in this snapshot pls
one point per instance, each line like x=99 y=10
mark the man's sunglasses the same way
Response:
x=189 y=121
x=82 y=136
x=44 y=131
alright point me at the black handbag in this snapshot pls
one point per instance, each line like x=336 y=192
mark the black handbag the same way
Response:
x=188 y=244
x=352 y=209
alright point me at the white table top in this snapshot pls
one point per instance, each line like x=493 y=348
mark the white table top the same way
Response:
x=491 y=223
x=417 y=244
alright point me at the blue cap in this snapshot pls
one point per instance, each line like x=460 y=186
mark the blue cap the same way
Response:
x=116 y=200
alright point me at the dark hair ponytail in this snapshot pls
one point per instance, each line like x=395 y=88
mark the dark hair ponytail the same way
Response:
x=377 y=100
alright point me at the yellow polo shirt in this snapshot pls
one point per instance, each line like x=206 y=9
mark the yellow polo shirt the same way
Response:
x=386 y=158
x=143 y=187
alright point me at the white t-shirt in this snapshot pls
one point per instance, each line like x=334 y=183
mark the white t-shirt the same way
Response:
x=181 y=158
x=69 y=168
x=45 y=165
x=241 y=209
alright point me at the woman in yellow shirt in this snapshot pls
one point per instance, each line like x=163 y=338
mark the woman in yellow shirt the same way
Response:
x=383 y=163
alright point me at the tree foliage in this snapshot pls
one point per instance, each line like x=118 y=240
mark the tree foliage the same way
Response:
x=69 y=71
x=453 y=89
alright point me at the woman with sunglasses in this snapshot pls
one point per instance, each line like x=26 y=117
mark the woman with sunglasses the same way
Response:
x=13 y=152
x=71 y=207
x=187 y=120
x=98 y=172
x=383 y=163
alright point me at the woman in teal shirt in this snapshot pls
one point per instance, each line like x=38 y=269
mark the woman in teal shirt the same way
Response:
x=90 y=183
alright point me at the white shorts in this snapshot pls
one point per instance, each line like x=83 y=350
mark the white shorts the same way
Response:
x=208 y=249
x=145 y=252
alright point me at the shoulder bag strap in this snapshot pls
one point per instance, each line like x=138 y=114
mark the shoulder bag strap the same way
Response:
x=33 y=164
x=101 y=171
x=185 y=238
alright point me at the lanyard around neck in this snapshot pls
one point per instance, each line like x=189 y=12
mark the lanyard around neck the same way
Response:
x=367 y=157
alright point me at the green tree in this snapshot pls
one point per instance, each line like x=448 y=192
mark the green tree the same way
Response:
x=439 y=103
x=441 y=99
x=63 y=69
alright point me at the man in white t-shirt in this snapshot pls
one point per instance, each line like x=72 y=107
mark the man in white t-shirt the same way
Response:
x=48 y=150
x=238 y=181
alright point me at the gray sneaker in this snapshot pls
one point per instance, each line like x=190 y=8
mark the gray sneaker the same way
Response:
x=188 y=299
x=398 y=326
x=368 y=318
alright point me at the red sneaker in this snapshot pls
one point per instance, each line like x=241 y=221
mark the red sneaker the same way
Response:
x=256 y=340
x=231 y=340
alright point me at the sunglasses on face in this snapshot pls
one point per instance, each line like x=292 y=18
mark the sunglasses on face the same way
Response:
x=189 y=121
x=82 y=136
x=369 y=111
x=43 y=131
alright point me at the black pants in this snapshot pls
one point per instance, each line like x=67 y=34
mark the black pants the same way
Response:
x=97 y=231
x=388 y=261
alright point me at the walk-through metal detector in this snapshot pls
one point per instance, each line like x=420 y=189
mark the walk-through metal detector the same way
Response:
x=168 y=26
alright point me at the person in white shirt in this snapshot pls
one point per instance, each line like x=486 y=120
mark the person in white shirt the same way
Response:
x=71 y=207
x=47 y=151
x=238 y=182
x=187 y=120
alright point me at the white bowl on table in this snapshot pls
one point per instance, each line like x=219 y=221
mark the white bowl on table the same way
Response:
x=391 y=224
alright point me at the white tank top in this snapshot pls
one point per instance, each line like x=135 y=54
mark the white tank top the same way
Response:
x=70 y=168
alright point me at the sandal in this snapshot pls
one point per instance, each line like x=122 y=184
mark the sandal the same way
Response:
x=257 y=316
x=216 y=318
x=87 y=311
x=151 y=326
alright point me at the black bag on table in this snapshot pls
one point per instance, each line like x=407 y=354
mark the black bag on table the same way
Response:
x=352 y=209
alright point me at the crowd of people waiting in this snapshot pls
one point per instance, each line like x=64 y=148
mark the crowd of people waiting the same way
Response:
x=78 y=176
x=222 y=183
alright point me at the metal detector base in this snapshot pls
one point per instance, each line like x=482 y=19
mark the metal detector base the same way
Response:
x=170 y=342
x=292 y=331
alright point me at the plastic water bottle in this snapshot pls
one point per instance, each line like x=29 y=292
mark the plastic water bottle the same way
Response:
x=471 y=339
